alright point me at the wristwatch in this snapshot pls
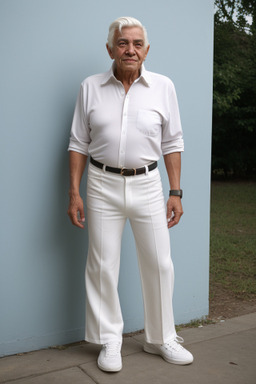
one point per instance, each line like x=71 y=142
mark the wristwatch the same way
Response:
x=176 y=192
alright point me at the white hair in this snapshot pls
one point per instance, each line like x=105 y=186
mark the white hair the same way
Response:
x=122 y=22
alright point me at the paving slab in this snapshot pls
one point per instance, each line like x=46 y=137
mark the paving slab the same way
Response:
x=227 y=360
x=43 y=361
x=67 y=376
x=40 y=362
x=222 y=328
x=130 y=346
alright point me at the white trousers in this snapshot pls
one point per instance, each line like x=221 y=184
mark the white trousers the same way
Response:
x=111 y=200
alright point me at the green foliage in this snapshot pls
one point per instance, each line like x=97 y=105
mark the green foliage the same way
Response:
x=234 y=93
x=233 y=237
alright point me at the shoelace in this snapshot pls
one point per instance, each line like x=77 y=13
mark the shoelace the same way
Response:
x=175 y=344
x=112 y=349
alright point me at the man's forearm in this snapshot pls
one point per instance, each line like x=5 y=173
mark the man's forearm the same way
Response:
x=174 y=206
x=173 y=168
x=77 y=162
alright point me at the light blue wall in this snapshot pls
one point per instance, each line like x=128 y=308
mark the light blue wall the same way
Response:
x=47 y=48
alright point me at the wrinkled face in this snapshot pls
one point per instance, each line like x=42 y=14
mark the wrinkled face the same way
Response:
x=128 y=49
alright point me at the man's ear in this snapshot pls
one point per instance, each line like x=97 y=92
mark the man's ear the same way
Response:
x=109 y=51
x=147 y=49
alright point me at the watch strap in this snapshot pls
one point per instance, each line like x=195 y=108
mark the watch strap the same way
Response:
x=176 y=192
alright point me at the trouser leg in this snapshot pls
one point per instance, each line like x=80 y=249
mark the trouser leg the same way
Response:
x=150 y=230
x=104 y=321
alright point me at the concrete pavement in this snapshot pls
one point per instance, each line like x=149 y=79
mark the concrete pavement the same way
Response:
x=224 y=353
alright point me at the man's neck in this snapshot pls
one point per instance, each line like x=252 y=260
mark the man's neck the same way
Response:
x=127 y=78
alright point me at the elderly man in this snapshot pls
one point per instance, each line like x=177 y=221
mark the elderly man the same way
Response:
x=125 y=119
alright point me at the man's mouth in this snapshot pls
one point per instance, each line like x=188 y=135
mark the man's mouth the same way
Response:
x=130 y=60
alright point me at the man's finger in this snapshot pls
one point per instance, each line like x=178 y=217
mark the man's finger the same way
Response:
x=74 y=219
x=174 y=219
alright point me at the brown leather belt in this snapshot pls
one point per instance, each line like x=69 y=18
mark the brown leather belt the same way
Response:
x=124 y=171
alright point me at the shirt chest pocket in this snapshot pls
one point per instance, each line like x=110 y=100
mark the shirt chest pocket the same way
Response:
x=149 y=122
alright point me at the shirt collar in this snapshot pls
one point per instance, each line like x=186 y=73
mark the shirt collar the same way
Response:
x=109 y=75
x=144 y=76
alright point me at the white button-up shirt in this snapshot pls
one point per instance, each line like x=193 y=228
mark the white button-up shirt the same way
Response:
x=126 y=130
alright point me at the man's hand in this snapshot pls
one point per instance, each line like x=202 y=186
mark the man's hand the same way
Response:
x=76 y=210
x=174 y=210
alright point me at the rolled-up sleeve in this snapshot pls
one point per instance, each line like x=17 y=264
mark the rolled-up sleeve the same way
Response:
x=172 y=135
x=80 y=133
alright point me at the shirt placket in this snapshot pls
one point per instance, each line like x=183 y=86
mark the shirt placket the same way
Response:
x=122 y=148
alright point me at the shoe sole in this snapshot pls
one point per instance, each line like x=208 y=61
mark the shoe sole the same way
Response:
x=154 y=351
x=105 y=369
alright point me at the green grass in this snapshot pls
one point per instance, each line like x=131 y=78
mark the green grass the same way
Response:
x=197 y=323
x=233 y=237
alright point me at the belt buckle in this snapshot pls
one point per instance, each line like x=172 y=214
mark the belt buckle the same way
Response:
x=128 y=172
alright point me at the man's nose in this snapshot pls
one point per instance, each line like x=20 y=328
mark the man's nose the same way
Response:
x=130 y=49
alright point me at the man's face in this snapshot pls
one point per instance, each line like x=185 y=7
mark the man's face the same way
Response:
x=129 y=49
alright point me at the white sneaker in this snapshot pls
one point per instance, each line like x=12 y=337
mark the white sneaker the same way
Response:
x=172 y=352
x=110 y=359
